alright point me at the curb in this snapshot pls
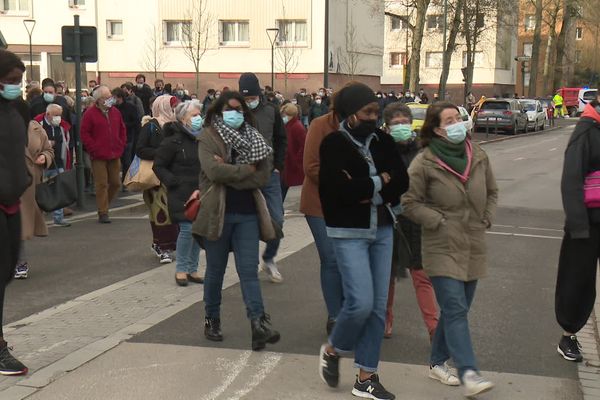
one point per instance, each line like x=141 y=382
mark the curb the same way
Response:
x=589 y=370
x=509 y=137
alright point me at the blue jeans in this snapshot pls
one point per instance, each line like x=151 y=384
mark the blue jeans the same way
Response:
x=452 y=337
x=365 y=266
x=331 y=280
x=272 y=193
x=58 y=216
x=240 y=234
x=188 y=250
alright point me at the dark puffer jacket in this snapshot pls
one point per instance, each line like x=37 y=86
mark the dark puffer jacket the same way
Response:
x=177 y=166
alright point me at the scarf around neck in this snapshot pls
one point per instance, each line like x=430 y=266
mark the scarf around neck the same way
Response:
x=248 y=143
x=453 y=155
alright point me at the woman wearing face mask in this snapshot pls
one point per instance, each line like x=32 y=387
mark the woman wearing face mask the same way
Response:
x=177 y=167
x=360 y=180
x=407 y=237
x=293 y=172
x=164 y=231
x=317 y=108
x=233 y=215
x=453 y=196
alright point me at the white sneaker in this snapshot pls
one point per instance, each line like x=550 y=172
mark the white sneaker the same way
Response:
x=271 y=270
x=443 y=374
x=165 y=257
x=475 y=384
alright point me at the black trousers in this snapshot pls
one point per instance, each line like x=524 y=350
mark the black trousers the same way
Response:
x=10 y=242
x=576 y=282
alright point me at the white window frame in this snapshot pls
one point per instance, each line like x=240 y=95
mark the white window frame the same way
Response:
x=428 y=59
x=402 y=57
x=175 y=43
x=529 y=22
x=21 y=11
x=75 y=4
x=237 y=42
x=302 y=43
x=579 y=33
x=402 y=23
x=109 y=34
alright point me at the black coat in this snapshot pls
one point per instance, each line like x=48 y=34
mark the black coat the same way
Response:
x=342 y=197
x=38 y=106
x=582 y=156
x=14 y=176
x=177 y=166
x=151 y=136
x=131 y=120
x=145 y=93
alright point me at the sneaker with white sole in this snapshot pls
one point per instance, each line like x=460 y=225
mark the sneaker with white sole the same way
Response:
x=443 y=374
x=270 y=268
x=165 y=257
x=371 y=389
x=156 y=250
x=474 y=384
x=22 y=271
x=329 y=367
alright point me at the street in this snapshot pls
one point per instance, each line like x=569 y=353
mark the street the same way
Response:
x=99 y=318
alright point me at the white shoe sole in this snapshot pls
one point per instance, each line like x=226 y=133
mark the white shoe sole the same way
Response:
x=566 y=357
x=481 y=390
x=169 y=261
x=364 y=395
x=439 y=379
x=14 y=373
x=321 y=354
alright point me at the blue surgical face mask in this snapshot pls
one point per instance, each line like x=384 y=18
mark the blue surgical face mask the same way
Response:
x=457 y=133
x=48 y=97
x=233 y=118
x=401 y=132
x=285 y=119
x=196 y=123
x=10 y=92
x=253 y=104
x=108 y=103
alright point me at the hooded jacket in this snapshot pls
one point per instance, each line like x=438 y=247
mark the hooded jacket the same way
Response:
x=103 y=135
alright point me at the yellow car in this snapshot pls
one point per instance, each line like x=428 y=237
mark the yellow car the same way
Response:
x=418 y=112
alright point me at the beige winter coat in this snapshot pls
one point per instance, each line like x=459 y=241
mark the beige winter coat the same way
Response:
x=454 y=216
x=32 y=218
x=215 y=176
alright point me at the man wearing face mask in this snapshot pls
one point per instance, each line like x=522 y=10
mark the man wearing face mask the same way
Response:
x=133 y=99
x=159 y=88
x=39 y=104
x=180 y=93
x=304 y=101
x=144 y=92
x=271 y=127
x=104 y=137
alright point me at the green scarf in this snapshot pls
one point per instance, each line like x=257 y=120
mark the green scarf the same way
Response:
x=454 y=155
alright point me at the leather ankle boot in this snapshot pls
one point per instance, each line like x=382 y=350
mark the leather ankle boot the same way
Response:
x=212 y=329
x=262 y=333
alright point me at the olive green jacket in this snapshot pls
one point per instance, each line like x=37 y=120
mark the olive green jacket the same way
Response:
x=454 y=216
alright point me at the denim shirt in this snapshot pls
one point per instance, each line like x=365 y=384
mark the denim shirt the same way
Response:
x=376 y=200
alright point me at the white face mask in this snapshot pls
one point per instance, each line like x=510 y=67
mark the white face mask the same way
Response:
x=55 y=121
x=318 y=101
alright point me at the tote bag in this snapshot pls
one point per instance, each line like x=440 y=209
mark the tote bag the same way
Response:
x=140 y=176
x=57 y=192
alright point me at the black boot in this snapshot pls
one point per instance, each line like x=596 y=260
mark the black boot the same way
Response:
x=262 y=333
x=212 y=329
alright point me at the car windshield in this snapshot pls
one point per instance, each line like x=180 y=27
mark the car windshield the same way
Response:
x=418 y=113
x=528 y=106
x=495 y=105
x=590 y=95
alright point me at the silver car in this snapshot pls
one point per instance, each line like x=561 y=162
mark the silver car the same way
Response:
x=536 y=117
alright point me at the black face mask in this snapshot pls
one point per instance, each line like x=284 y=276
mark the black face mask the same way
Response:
x=363 y=128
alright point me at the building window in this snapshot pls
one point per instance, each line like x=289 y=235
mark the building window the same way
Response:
x=114 y=30
x=397 y=59
x=529 y=22
x=398 y=23
x=434 y=59
x=577 y=56
x=527 y=49
x=435 y=22
x=235 y=32
x=76 y=3
x=478 y=59
x=579 y=33
x=292 y=31
x=14 y=5
x=175 y=32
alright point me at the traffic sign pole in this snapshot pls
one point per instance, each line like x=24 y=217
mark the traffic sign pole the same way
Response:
x=79 y=165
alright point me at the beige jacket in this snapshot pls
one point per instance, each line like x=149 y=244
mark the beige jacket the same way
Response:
x=454 y=216
x=215 y=176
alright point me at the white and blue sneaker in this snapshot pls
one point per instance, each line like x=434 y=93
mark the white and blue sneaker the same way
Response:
x=22 y=271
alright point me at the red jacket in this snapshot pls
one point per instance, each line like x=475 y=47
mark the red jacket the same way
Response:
x=104 y=137
x=293 y=173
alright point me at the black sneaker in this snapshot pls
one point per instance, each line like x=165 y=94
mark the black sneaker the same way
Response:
x=371 y=389
x=329 y=367
x=10 y=365
x=570 y=349
x=262 y=333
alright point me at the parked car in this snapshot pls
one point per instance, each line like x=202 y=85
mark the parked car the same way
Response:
x=502 y=114
x=585 y=96
x=418 y=113
x=467 y=118
x=536 y=116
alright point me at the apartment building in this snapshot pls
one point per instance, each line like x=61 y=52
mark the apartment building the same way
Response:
x=495 y=69
x=149 y=36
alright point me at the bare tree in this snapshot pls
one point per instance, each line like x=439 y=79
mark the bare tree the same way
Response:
x=287 y=54
x=568 y=18
x=351 y=57
x=535 y=50
x=451 y=44
x=552 y=9
x=417 y=41
x=153 y=57
x=196 y=34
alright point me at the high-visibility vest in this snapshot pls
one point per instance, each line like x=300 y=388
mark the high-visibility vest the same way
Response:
x=558 y=100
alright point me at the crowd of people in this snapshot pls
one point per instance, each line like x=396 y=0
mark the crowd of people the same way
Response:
x=378 y=200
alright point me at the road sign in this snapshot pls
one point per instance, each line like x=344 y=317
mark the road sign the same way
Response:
x=88 y=43
x=522 y=58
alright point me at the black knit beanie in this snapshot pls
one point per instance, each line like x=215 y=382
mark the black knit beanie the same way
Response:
x=352 y=98
x=249 y=85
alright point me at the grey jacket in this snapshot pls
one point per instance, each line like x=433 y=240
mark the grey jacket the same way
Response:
x=270 y=125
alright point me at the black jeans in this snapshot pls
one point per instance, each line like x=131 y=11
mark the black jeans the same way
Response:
x=576 y=281
x=10 y=239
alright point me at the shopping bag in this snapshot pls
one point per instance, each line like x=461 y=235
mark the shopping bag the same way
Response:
x=140 y=176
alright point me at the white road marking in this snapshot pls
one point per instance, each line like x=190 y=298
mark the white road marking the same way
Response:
x=519 y=159
x=264 y=369
x=232 y=370
x=524 y=235
x=552 y=149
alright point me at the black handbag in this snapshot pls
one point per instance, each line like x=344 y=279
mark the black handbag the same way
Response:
x=57 y=192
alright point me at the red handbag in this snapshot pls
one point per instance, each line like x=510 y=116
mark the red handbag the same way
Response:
x=191 y=209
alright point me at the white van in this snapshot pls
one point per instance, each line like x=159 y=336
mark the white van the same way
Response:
x=585 y=96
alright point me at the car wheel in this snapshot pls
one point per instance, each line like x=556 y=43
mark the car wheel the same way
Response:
x=515 y=129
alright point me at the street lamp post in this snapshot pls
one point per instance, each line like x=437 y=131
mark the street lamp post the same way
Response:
x=272 y=33
x=29 y=25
